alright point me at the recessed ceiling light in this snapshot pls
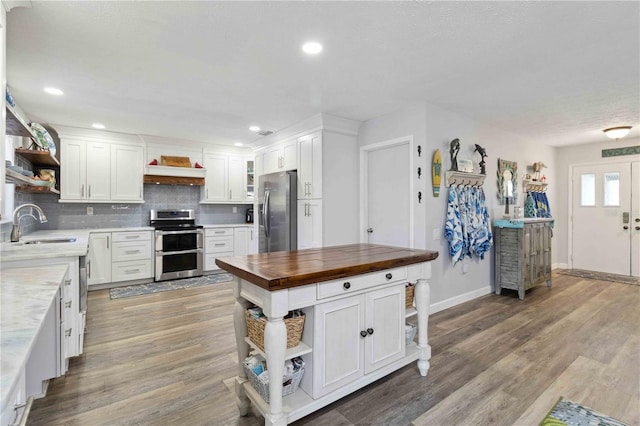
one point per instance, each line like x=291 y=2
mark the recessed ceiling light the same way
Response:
x=312 y=48
x=238 y=144
x=254 y=128
x=97 y=126
x=53 y=91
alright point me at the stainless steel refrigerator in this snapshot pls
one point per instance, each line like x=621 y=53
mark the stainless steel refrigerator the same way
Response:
x=277 y=212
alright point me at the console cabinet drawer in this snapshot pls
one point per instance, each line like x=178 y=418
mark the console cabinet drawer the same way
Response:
x=360 y=282
x=219 y=244
x=210 y=260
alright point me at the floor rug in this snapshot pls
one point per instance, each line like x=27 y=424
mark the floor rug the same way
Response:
x=569 y=413
x=156 y=287
x=624 y=279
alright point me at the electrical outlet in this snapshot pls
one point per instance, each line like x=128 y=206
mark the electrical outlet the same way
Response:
x=465 y=268
x=89 y=211
x=235 y=209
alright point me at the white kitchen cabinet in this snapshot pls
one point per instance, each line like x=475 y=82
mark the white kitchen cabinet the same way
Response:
x=357 y=335
x=309 y=224
x=127 y=170
x=280 y=157
x=85 y=171
x=243 y=241
x=218 y=242
x=237 y=177
x=310 y=166
x=216 y=180
x=131 y=256
x=99 y=258
x=95 y=171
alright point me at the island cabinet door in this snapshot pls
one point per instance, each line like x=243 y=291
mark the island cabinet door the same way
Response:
x=338 y=354
x=384 y=323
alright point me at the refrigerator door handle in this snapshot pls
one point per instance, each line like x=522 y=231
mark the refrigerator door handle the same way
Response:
x=265 y=214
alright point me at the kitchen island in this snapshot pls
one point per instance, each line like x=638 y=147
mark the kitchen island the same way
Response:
x=353 y=299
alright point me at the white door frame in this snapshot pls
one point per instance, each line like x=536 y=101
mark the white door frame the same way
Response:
x=364 y=174
x=571 y=195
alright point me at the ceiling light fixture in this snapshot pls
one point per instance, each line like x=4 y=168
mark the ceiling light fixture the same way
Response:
x=312 y=48
x=254 y=128
x=238 y=144
x=617 y=132
x=97 y=126
x=53 y=91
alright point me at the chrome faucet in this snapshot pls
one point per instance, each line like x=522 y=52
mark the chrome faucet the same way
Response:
x=15 y=231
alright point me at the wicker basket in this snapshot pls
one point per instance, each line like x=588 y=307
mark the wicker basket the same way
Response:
x=255 y=329
x=290 y=383
x=409 y=289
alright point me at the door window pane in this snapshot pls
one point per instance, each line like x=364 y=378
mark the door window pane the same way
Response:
x=612 y=189
x=588 y=190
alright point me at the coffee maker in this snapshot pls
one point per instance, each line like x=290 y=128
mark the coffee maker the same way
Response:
x=249 y=216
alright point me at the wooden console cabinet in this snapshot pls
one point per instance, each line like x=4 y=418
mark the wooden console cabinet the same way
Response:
x=353 y=298
x=522 y=254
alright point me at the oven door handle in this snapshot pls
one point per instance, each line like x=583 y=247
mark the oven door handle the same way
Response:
x=169 y=253
x=191 y=231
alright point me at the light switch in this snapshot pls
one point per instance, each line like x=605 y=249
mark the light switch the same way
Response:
x=437 y=234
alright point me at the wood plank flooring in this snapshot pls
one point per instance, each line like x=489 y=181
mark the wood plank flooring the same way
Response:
x=161 y=359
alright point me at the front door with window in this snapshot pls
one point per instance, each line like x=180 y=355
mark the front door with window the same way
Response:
x=604 y=234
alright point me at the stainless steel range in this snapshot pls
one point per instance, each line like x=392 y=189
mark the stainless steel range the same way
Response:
x=178 y=242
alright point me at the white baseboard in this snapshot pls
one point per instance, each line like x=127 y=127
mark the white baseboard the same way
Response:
x=456 y=300
x=559 y=266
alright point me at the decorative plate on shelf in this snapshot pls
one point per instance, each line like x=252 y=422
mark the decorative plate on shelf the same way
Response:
x=43 y=138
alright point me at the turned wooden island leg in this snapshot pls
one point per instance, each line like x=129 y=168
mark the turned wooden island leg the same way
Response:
x=275 y=345
x=240 y=327
x=423 y=299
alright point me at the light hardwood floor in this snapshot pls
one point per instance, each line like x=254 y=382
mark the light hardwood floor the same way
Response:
x=161 y=360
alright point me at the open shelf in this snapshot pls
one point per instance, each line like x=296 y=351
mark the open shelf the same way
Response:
x=299 y=350
x=16 y=125
x=38 y=158
x=26 y=184
x=464 y=178
x=409 y=312
x=534 y=185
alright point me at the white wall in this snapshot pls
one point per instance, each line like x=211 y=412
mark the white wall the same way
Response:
x=566 y=157
x=433 y=128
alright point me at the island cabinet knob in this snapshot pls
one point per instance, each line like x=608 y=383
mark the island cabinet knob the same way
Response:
x=389 y=276
x=370 y=330
x=346 y=285
x=363 y=333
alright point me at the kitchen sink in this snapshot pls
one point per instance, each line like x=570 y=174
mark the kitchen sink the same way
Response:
x=51 y=241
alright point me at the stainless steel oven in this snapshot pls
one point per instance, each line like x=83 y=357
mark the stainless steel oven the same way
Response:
x=178 y=244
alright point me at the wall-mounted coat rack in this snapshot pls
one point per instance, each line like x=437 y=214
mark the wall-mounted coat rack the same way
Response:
x=534 y=186
x=464 y=179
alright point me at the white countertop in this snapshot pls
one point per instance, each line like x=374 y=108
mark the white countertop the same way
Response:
x=21 y=251
x=230 y=225
x=25 y=297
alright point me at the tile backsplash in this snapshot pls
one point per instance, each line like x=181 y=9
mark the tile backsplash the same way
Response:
x=74 y=215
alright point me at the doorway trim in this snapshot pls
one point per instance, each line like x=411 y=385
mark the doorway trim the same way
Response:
x=364 y=174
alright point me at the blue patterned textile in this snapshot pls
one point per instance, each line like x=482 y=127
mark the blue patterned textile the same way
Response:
x=467 y=228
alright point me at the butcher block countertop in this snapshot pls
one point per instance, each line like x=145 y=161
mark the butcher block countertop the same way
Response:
x=285 y=269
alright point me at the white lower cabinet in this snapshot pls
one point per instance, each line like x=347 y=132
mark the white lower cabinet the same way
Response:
x=120 y=256
x=99 y=258
x=218 y=242
x=309 y=224
x=357 y=335
x=224 y=242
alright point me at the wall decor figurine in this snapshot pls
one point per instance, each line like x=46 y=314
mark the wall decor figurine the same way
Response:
x=537 y=168
x=436 y=172
x=454 y=147
x=483 y=153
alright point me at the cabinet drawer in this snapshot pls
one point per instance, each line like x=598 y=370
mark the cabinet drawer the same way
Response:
x=131 y=236
x=218 y=244
x=210 y=260
x=135 y=250
x=360 y=282
x=132 y=270
x=218 y=232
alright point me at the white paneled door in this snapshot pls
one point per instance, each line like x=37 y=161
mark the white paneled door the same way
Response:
x=387 y=207
x=606 y=224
